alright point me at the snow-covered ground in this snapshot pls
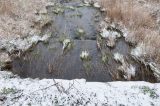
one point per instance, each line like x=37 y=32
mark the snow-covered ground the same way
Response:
x=15 y=91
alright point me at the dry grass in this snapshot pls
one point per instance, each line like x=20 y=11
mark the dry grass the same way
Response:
x=138 y=20
x=132 y=15
x=6 y=7
x=18 y=17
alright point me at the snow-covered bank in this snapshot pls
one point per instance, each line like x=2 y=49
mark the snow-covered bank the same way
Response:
x=135 y=32
x=22 y=24
x=19 y=44
x=140 y=54
x=22 y=44
x=48 y=92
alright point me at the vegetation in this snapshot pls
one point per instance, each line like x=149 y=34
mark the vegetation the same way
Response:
x=86 y=59
x=80 y=33
x=152 y=92
x=105 y=57
x=85 y=56
x=22 y=17
x=8 y=91
x=138 y=19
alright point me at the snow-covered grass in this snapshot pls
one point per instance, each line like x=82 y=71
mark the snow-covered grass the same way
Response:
x=49 y=92
x=127 y=69
x=85 y=55
x=140 y=17
x=110 y=36
x=21 y=23
x=15 y=91
x=139 y=21
x=20 y=43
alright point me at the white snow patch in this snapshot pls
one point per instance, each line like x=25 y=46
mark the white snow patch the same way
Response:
x=20 y=43
x=128 y=69
x=66 y=42
x=106 y=33
x=96 y=4
x=118 y=57
x=110 y=36
x=139 y=50
x=75 y=92
x=84 y=54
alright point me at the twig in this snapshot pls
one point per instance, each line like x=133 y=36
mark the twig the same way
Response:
x=56 y=84
x=70 y=86
x=33 y=91
x=44 y=88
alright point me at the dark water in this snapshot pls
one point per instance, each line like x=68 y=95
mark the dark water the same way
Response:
x=47 y=60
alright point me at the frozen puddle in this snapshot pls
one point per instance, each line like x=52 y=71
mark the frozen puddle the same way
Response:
x=79 y=25
x=49 y=61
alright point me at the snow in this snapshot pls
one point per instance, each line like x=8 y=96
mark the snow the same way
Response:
x=139 y=54
x=84 y=55
x=96 y=4
x=50 y=92
x=4 y=57
x=128 y=69
x=66 y=42
x=106 y=33
x=43 y=92
x=110 y=36
x=131 y=70
x=139 y=50
x=118 y=57
x=22 y=44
